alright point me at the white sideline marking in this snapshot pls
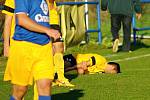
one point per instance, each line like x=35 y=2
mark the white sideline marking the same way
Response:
x=112 y=55
x=118 y=60
x=141 y=69
x=131 y=58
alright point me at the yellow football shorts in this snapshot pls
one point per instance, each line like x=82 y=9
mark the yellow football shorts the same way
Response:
x=27 y=61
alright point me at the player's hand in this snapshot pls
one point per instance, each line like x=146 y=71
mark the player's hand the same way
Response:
x=84 y=65
x=138 y=15
x=53 y=33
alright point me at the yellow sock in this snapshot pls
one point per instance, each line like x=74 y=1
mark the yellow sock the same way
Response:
x=59 y=65
x=35 y=92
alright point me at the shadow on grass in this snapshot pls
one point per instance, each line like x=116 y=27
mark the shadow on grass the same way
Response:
x=71 y=76
x=68 y=75
x=139 y=44
x=71 y=95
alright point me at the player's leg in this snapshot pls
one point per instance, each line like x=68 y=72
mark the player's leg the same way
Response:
x=58 y=48
x=58 y=59
x=38 y=91
x=43 y=71
x=59 y=64
x=115 y=27
x=18 y=92
x=44 y=87
x=17 y=69
x=126 y=33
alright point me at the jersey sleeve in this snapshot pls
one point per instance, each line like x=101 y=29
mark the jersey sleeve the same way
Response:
x=22 y=6
x=9 y=7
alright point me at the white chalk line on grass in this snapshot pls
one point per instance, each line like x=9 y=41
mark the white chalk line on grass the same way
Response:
x=131 y=58
x=118 y=60
x=140 y=69
x=112 y=55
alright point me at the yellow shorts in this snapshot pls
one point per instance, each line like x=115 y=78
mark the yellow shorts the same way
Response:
x=27 y=61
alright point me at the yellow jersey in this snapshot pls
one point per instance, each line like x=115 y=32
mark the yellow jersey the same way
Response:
x=9 y=10
x=100 y=62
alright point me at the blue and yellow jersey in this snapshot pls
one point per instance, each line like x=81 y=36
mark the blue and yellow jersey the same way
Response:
x=9 y=10
x=37 y=11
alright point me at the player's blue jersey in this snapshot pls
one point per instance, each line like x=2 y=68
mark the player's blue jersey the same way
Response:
x=37 y=10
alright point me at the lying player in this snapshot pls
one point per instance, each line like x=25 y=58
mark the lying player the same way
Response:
x=90 y=63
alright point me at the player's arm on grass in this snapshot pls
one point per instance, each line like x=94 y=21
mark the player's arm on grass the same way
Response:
x=80 y=67
x=6 y=34
x=71 y=68
x=26 y=22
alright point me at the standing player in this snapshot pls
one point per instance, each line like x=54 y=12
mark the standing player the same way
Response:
x=31 y=52
x=58 y=48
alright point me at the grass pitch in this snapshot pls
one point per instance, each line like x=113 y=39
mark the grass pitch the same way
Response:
x=131 y=84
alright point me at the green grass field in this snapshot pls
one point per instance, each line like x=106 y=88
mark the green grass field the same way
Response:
x=131 y=84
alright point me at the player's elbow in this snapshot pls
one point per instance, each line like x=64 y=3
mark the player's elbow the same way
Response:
x=20 y=19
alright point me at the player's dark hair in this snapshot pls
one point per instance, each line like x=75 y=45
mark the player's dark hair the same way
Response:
x=116 y=65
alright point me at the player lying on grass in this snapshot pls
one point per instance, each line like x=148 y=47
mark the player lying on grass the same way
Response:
x=90 y=63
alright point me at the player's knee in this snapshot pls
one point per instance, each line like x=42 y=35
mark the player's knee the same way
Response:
x=59 y=50
x=19 y=91
x=44 y=86
x=58 y=47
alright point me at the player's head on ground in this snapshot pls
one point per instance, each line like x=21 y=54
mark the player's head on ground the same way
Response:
x=112 y=68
